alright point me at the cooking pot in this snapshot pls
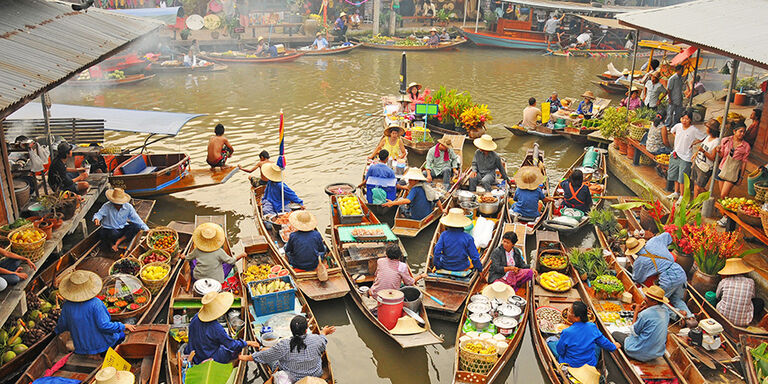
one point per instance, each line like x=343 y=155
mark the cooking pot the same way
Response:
x=489 y=208
x=204 y=286
x=509 y=310
x=479 y=298
x=480 y=320
x=517 y=301
x=505 y=325
x=479 y=307
x=465 y=196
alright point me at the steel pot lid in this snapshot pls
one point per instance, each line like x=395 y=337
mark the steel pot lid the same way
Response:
x=505 y=322
x=480 y=317
x=466 y=194
x=517 y=301
x=195 y=22
x=479 y=298
x=479 y=307
x=509 y=310
x=204 y=286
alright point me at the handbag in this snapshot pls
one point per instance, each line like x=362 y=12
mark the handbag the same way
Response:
x=730 y=169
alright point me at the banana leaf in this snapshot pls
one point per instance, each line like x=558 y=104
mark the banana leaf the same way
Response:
x=761 y=360
x=210 y=372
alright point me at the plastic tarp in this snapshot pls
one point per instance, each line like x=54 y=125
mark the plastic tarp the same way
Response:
x=115 y=119
x=610 y=23
x=166 y=15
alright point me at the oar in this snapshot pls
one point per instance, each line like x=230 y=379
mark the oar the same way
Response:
x=691 y=351
x=435 y=299
x=413 y=314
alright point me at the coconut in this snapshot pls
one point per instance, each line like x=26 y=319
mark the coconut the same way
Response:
x=33 y=314
x=8 y=356
x=45 y=306
x=19 y=348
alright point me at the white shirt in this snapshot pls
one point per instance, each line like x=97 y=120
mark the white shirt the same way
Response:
x=684 y=139
x=707 y=145
x=583 y=38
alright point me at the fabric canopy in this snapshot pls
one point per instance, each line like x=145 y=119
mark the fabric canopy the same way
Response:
x=610 y=23
x=166 y=15
x=123 y=120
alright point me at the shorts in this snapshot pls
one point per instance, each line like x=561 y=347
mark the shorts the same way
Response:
x=551 y=37
x=717 y=177
x=699 y=177
x=678 y=168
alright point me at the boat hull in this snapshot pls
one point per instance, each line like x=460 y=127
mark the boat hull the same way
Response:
x=331 y=51
x=498 y=41
x=442 y=47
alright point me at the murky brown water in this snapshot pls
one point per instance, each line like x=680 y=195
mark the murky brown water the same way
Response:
x=328 y=135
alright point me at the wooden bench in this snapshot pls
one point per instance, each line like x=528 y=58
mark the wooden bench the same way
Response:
x=640 y=150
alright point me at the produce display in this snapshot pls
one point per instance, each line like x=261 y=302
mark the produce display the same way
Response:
x=384 y=40
x=734 y=203
x=281 y=219
x=155 y=272
x=549 y=319
x=122 y=294
x=554 y=261
x=153 y=256
x=349 y=205
x=117 y=75
x=588 y=262
x=608 y=284
x=232 y=284
x=760 y=355
x=85 y=75
x=125 y=266
x=15 y=225
x=263 y=272
x=488 y=199
x=662 y=159
x=750 y=210
x=611 y=307
x=555 y=281
x=27 y=236
x=285 y=232
x=163 y=241
x=480 y=348
x=17 y=335
x=270 y=287
x=608 y=317
x=367 y=232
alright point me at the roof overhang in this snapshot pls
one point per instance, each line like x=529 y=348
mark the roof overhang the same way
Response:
x=610 y=23
x=573 y=7
x=166 y=15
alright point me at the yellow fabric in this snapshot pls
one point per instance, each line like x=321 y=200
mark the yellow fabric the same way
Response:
x=394 y=150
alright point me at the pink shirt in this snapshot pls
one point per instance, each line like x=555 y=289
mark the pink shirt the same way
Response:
x=389 y=274
x=740 y=153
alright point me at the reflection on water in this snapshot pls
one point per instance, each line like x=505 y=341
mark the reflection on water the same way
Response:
x=331 y=124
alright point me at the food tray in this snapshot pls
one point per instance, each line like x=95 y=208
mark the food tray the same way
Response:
x=555 y=319
x=538 y=281
x=345 y=233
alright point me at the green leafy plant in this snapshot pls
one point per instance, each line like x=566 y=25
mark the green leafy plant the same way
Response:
x=443 y=15
x=744 y=84
x=615 y=124
x=452 y=104
x=588 y=262
x=608 y=284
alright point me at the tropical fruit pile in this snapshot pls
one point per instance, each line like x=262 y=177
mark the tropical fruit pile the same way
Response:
x=263 y=272
x=349 y=205
x=734 y=203
x=479 y=348
x=556 y=261
x=36 y=324
x=27 y=236
x=117 y=75
x=555 y=281
x=662 y=159
x=271 y=287
x=155 y=272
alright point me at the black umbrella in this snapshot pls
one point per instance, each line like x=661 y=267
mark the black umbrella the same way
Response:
x=403 y=79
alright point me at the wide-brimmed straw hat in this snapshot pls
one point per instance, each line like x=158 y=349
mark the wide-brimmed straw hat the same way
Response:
x=343 y=14
x=392 y=126
x=118 y=196
x=634 y=245
x=80 y=285
x=455 y=218
x=529 y=178
x=208 y=237
x=303 y=220
x=414 y=84
x=433 y=30
x=498 y=290
x=586 y=374
x=634 y=89
x=735 y=266
x=318 y=34
x=215 y=305
x=445 y=141
x=485 y=142
x=657 y=293
x=311 y=380
x=272 y=172
x=588 y=95
x=110 y=375
x=406 y=325
x=260 y=38
x=414 y=173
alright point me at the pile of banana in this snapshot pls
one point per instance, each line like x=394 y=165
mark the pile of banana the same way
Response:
x=555 y=281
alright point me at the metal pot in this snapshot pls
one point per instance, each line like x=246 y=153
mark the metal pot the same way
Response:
x=505 y=325
x=469 y=207
x=480 y=320
x=509 y=310
x=517 y=301
x=479 y=298
x=488 y=208
x=479 y=307
x=465 y=196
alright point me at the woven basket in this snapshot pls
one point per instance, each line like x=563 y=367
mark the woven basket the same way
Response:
x=108 y=282
x=764 y=220
x=636 y=132
x=645 y=160
x=761 y=191
x=155 y=286
x=155 y=251
x=751 y=220
x=32 y=251
x=475 y=362
x=154 y=233
x=111 y=267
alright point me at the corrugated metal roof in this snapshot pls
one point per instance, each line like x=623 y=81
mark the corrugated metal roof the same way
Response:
x=574 y=7
x=610 y=23
x=44 y=43
x=731 y=28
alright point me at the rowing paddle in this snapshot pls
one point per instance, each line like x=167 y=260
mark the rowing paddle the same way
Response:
x=435 y=299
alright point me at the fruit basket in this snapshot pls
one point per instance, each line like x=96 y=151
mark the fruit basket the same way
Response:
x=155 y=275
x=553 y=260
x=750 y=214
x=154 y=255
x=125 y=296
x=125 y=265
x=554 y=281
x=165 y=239
x=272 y=295
x=477 y=356
x=28 y=242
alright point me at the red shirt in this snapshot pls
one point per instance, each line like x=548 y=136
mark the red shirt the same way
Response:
x=740 y=153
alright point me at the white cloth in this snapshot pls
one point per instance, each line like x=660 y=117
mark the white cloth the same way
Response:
x=38 y=157
x=702 y=161
x=431 y=193
x=684 y=139
x=583 y=38
x=482 y=232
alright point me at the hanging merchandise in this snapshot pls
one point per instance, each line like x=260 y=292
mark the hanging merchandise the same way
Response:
x=356 y=4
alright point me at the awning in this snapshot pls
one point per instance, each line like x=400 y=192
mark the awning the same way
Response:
x=123 y=120
x=166 y=15
x=735 y=29
x=574 y=7
x=610 y=23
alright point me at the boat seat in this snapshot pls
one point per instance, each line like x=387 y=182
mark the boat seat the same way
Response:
x=137 y=166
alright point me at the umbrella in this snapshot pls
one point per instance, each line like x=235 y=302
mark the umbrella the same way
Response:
x=403 y=79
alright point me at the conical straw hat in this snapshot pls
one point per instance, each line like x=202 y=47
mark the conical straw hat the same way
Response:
x=272 y=172
x=208 y=237
x=110 y=375
x=455 y=218
x=303 y=220
x=735 y=266
x=485 y=142
x=215 y=305
x=80 y=285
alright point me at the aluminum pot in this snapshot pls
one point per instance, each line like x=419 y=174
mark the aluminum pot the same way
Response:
x=489 y=208
x=505 y=325
x=517 y=301
x=465 y=196
x=479 y=307
x=509 y=310
x=479 y=298
x=480 y=320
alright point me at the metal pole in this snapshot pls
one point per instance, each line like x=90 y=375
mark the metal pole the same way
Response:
x=47 y=121
x=464 y=23
x=695 y=73
x=477 y=17
x=708 y=208
x=632 y=73
x=376 y=16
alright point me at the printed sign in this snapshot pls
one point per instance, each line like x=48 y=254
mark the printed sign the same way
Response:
x=112 y=359
x=426 y=109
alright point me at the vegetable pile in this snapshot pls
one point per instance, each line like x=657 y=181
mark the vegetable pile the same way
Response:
x=608 y=284
x=119 y=298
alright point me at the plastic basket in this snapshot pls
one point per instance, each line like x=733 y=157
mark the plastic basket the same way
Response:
x=32 y=251
x=275 y=302
x=155 y=251
x=111 y=267
x=155 y=233
x=155 y=286
x=475 y=362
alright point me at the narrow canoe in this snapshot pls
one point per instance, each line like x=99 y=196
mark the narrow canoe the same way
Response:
x=384 y=213
x=286 y=57
x=532 y=159
x=336 y=286
x=443 y=46
x=436 y=129
x=211 y=67
x=339 y=49
x=540 y=131
x=611 y=87
x=515 y=341
x=131 y=79
x=359 y=258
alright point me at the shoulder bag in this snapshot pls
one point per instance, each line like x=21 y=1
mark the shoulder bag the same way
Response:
x=730 y=168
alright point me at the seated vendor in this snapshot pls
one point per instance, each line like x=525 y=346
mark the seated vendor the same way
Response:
x=554 y=103
x=118 y=219
x=580 y=343
x=305 y=246
x=320 y=42
x=442 y=162
x=531 y=114
x=59 y=177
x=585 y=106
x=528 y=194
x=392 y=272
x=576 y=193
x=508 y=265
x=208 y=254
x=455 y=249
x=633 y=101
x=421 y=198
x=648 y=337
x=85 y=317
x=392 y=141
x=208 y=338
x=264 y=49
x=736 y=292
x=277 y=195
x=219 y=149
x=380 y=181
x=434 y=39
x=485 y=163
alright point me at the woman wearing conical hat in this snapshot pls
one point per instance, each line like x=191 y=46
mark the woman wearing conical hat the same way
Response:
x=207 y=337
x=585 y=106
x=210 y=260
x=305 y=245
x=421 y=198
x=455 y=249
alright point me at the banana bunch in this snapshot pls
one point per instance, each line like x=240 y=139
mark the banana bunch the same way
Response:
x=271 y=287
x=555 y=281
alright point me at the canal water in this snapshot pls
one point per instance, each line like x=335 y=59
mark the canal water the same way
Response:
x=331 y=107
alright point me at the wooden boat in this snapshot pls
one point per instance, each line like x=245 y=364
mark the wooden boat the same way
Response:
x=185 y=302
x=612 y=87
x=443 y=46
x=598 y=181
x=749 y=342
x=453 y=291
x=534 y=157
x=157 y=174
x=218 y=57
x=359 y=258
x=525 y=40
x=510 y=353
x=440 y=130
x=336 y=286
x=406 y=227
x=335 y=50
x=574 y=52
x=733 y=331
x=130 y=64
x=176 y=66
x=130 y=79
x=142 y=349
x=541 y=130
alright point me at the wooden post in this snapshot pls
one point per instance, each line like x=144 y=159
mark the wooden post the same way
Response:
x=376 y=16
x=392 y=19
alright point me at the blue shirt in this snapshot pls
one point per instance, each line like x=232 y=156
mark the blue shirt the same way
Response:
x=649 y=334
x=576 y=346
x=112 y=218
x=670 y=273
x=276 y=196
x=210 y=340
x=90 y=326
x=381 y=176
x=303 y=248
x=454 y=249
x=527 y=202
x=419 y=206
x=585 y=108
x=581 y=201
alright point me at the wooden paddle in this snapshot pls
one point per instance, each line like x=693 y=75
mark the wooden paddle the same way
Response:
x=435 y=299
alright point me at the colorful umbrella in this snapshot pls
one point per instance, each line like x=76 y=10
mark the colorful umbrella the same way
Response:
x=281 y=156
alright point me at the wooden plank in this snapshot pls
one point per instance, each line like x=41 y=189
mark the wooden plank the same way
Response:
x=218 y=219
x=197 y=178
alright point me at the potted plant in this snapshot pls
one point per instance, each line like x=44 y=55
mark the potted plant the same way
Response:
x=473 y=119
x=184 y=34
x=605 y=220
x=442 y=16
x=452 y=104
x=615 y=125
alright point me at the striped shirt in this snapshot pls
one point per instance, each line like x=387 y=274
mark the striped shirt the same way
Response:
x=389 y=274
x=736 y=293
x=298 y=365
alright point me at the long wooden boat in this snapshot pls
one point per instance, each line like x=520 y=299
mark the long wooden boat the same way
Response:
x=143 y=349
x=451 y=290
x=528 y=40
x=130 y=79
x=748 y=343
x=443 y=46
x=359 y=258
x=185 y=302
x=575 y=52
x=515 y=341
x=385 y=213
x=598 y=181
x=289 y=55
x=540 y=131
x=130 y=64
x=611 y=87
x=535 y=157
x=440 y=130
x=175 y=66
x=157 y=174
x=336 y=286
x=335 y=50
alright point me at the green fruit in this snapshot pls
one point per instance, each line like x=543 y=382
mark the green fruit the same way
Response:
x=622 y=233
x=20 y=348
x=31 y=324
x=8 y=356
x=3 y=336
x=33 y=314
x=45 y=306
x=15 y=341
x=52 y=296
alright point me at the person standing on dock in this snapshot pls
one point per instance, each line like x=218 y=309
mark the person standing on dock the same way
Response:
x=648 y=339
x=675 y=95
x=219 y=149
x=531 y=115
x=550 y=29
x=485 y=164
x=118 y=219
x=653 y=92
x=340 y=27
x=685 y=137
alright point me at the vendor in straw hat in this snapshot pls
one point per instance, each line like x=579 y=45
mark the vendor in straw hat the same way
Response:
x=576 y=193
x=305 y=246
x=110 y=375
x=277 y=195
x=210 y=260
x=118 y=219
x=455 y=249
x=298 y=357
x=507 y=263
x=320 y=42
x=417 y=97
x=528 y=193
x=207 y=337
x=442 y=162
x=633 y=101
x=380 y=181
x=648 y=339
x=579 y=345
x=736 y=292
x=392 y=141
x=653 y=259
x=434 y=39
x=340 y=26
x=85 y=317
x=421 y=198
x=585 y=106
x=485 y=164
